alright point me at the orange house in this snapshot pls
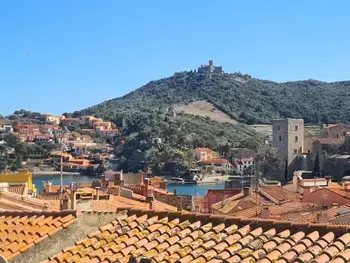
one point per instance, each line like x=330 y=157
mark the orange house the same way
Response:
x=203 y=154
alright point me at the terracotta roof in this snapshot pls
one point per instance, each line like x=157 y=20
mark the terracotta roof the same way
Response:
x=215 y=161
x=17 y=188
x=330 y=140
x=118 y=201
x=138 y=188
x=19 y=231
x=189 y=237
x=279 y=194
x=12 y=201
x=306 y=213
x=333 y=125
x=204 y=149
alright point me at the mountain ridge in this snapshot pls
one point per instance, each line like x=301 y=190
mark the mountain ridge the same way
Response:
x=245 y=99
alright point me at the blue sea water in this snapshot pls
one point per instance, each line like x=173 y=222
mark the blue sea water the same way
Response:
x=195 y=190
x=55 y=179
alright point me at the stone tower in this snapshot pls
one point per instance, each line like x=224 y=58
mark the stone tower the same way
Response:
x=288 y=138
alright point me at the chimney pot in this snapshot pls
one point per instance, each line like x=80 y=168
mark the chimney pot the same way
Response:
x=322 y=218
x=246 y=191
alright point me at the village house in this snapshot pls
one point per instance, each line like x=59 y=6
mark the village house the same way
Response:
x=244 y=165
x=5 y=127
x=51 y=130
x=86 y=120
x=106 y=132
x=305 y=179
x=94 y=120
x=44 y=139
x=53 y=119
x=27 y=128
x=88 y=131
x=336 y=131
x=217 y=164
x=214 y=196
x=70 y=121
x=203 y=154
x=105 y=124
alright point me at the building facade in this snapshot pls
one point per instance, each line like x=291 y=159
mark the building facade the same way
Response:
x=288 y=138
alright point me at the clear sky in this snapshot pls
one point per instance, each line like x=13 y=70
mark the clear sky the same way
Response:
x=61 y=56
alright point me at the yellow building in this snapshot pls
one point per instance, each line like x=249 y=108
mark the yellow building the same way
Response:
x=22 y=176
x=203 y=154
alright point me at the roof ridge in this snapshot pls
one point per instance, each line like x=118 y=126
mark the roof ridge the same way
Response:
x=38 y=213
x=223 y=218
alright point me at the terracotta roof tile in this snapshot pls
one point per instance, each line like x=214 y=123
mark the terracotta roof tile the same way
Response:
x=180 y=237
x=20 y=231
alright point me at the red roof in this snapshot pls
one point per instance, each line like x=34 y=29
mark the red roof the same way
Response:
x=330 y=140
x=216 y=161
x=333 y=125
x=204 y=149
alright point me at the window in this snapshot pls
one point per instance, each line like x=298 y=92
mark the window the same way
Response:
x=296 y=127
x=296 y=138
x=278 y=127
x=344 y=133
x=280 y=138
x=295 y=151
x=337 y=135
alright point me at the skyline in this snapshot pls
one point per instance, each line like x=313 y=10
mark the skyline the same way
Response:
x=60 y=56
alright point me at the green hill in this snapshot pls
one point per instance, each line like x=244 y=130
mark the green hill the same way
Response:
x=245 y=99
x=147 y=113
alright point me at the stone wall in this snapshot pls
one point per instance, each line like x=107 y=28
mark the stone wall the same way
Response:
x=183 y=202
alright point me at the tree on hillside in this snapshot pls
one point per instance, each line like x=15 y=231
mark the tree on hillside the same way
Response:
x=268 y=162
x=11 y=140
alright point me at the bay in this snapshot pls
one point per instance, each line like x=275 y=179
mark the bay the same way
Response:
x=194 y=190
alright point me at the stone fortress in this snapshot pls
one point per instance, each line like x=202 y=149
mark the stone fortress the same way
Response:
x=210 y=68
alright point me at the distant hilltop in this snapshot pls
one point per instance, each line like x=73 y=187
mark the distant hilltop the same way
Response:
x=210 y=68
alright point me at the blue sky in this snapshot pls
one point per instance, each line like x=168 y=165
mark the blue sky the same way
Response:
x=61 y=56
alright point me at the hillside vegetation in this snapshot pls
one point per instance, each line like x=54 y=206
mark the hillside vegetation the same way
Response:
x=146 y=113
x=242 y=97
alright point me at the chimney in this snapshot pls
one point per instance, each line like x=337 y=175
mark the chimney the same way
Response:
x=151 y=204
x=306 y=194
x=47 y=187
x=145 y=187
x=179 y=203
x=322 y=218
x=73 y=197
x=295 y=182
x=73 y=200
x=175 y=191
x=246 y=191
x=347 y=190
x=65 y=205
x=265 y=213
x=97 y=193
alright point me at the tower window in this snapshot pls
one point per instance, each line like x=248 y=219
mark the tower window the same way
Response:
x=296 y=127
x=344 y=133
x=278 y=127
x=295 y=151
x=280 y=138
x=296 y=138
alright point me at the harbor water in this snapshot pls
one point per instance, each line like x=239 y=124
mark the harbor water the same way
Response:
x=194 y=190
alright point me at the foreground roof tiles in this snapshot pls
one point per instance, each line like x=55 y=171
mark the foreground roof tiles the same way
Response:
x=20 y=231
x=188 y=237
